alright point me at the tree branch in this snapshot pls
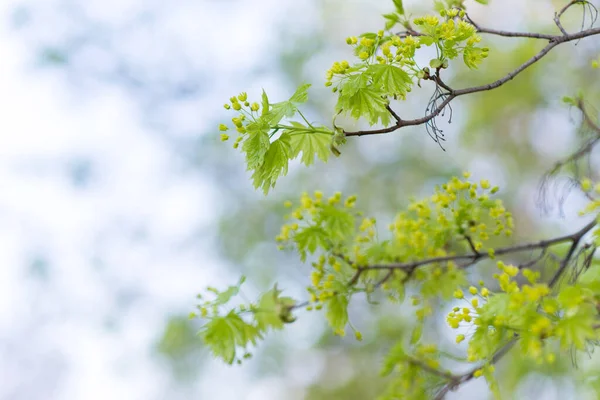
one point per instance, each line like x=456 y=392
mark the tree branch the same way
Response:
x=459 y=380
x=471 y=258
x=509 y=34
x=452 y=94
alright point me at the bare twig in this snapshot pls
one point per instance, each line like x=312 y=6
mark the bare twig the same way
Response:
x=509 y=34
x=559 y=14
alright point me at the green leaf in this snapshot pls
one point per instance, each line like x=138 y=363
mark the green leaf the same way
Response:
x=399 y=7
x=273 y=311
x=366 y=102
x=426 y=40
x=223 y=335
x=395 y=356
x=287 y=108
x=280 y=110
x=392 y=80
x=416 y=334
x=275 y=163
x=309 y=239
x=224 y=297
x=391 y=20
x=337 y=312
x=256 y=144
x=310 y=142
x=265 y=104
x=576 y=330
x=486 y=2
x=267 y=314
x=339 y=223
x=301 y=94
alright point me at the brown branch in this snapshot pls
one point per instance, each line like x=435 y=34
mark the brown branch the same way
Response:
x=451 y=95
x=408 y=267
x=459 y=380
x=509 y=34
x=472 y=245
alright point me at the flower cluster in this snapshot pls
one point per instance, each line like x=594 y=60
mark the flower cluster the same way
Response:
x=528 y=311
x=376 y=48
x=326 y=223
x=458 y=208
x=248 y=112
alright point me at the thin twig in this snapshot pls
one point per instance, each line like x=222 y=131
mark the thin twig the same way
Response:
x=507 y=33
x=559 y=14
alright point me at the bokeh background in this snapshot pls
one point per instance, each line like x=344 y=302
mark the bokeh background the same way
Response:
x=118 y=203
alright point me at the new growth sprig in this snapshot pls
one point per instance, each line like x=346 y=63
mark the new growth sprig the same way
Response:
x=269 y=139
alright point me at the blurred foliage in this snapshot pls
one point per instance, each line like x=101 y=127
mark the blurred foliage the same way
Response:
x=180 y=346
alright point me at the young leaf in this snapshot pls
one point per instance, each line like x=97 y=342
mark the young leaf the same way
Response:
x=393 y=80
x=309 y=239
x=576 y=330
x=224 y=334
x=267 y=314
x=224 y=297
x=287 y=108
x=256 y=144
x=365 y=102
x=338 y=222
x=301 y=94
x=310 y=142
x=399 y=7
x=337 y=312
x=265 y=103
x=391 y=20
x=275 y=163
